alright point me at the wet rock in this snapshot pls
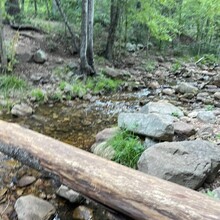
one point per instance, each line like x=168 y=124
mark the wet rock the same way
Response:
x=40 y=57
x=202 y=96
x=217 y=95
x=151 y=125
x=168 y=91
x=188 y=163
x=83 y=213
x=207 y=117
x=186 y=88
x=216 y=80
x=21 y=110
x=161 y=107
x=69 y=194
x=26 y=180
x=103 y=150
x=182 y=128
x=205 y=132
x=106 y=134
x=154 y=85
x=31 y=207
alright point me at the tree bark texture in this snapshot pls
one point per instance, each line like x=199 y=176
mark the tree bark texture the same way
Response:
x=114 y=19
x=128 y=191
x=86 y=48
x=3 y=54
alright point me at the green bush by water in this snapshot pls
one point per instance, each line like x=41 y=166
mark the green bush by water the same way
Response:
x=128 y=148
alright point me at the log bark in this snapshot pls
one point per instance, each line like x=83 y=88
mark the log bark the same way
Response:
x=133 y=193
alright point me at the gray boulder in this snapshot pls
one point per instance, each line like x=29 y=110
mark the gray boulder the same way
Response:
x=207 y=117
x=161 y=107
x=106 y=134
x=21 y=110
x=40 y=57
x=151 y=125
x=216 y=80
x=188 y=163
x=30 y=207
x=182 y=128
x=186 y=88
x=103 y=150
x=69 y=194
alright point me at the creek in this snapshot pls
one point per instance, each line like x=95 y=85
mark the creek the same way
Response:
x=76 y=122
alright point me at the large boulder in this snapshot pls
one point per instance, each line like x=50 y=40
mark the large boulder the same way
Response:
x=31 y=207
x=188 y=163
x=151 y=125
x=161 y=107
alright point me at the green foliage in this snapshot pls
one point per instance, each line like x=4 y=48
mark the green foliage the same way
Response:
x=57 y=96
x=128 y=148
x=38 y=95
x=150 y=66
x=10 y=84
x=209 y=107
x=175 y=114
x=102 y=83
x=11 y=52
x=218 y=136
x=97 y=84
x=175 y=67
x=211 y=194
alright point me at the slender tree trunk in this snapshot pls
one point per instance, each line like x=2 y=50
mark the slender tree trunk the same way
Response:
x=114 y=19
x=86 y=48
x=90 y=52
x=35 y=8
x=3 y=55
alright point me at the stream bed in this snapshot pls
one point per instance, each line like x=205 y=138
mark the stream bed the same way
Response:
x=74 y=122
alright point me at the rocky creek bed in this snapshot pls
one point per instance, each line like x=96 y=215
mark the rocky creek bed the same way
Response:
x=184 y=128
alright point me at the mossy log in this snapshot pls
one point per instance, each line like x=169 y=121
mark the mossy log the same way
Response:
x=128 y=191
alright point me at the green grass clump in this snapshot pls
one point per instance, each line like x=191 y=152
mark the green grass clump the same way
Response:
x=38 y=95
x=103 y=83
x=128 y=148
x=10 y=84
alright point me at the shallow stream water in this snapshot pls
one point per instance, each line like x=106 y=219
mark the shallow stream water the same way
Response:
x=76 y=123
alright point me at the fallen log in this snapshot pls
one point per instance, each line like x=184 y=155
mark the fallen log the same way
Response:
x=128 y=191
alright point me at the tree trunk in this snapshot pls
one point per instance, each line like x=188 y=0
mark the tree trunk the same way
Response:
x=114 y=19
x=3 y=55
x=12 y=7
x=90 y=53
x=86 y=48
x=128 y=191
x=35 y=8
